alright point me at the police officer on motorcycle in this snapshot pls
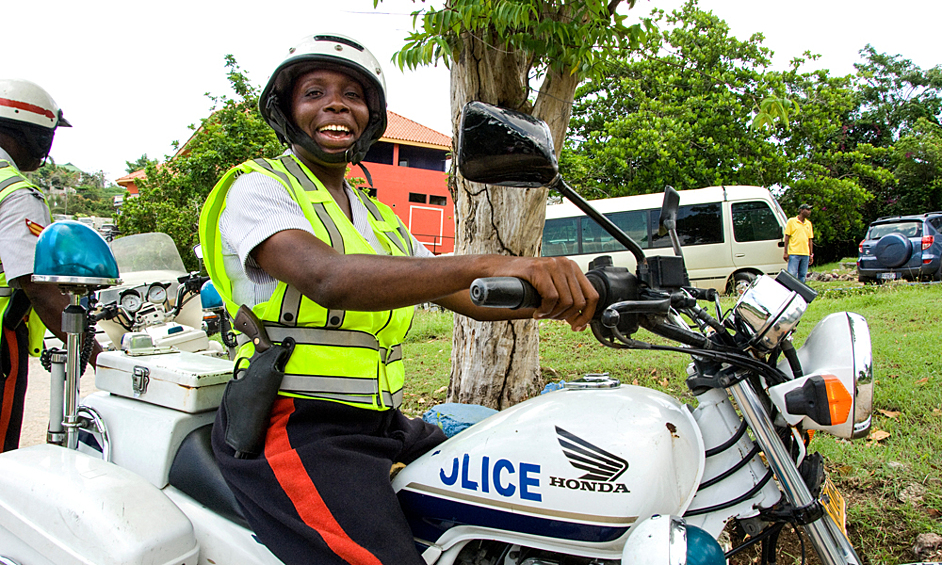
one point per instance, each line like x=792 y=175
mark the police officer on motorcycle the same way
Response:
x=323 y=263
x=28 y=121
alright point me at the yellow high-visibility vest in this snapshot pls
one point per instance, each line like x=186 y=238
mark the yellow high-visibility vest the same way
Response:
x=350 y=357
x=10 y=181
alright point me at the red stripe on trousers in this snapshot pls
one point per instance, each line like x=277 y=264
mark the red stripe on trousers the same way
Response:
x=294 y=480
x=10 y=387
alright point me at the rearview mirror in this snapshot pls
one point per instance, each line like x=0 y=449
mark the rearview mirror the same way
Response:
x=669 y=207
x=504 y=147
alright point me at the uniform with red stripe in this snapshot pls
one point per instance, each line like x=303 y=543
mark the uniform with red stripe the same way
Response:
x=321 y=491
x=28 y=120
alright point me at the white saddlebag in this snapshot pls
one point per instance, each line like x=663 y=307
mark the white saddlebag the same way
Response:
x=183 y=381
x=62 y=507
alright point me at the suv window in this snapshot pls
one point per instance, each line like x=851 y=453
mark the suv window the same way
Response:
x=906 y=228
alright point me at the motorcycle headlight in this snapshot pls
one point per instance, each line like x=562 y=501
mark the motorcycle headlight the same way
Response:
x=767 y=312
x=72 y=253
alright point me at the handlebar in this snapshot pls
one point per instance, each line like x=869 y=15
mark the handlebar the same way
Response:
x=504 y=292
x=622 y=307
x=189 y=284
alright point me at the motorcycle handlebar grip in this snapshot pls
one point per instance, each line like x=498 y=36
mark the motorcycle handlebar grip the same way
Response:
x=702 y=293
x=504 y=292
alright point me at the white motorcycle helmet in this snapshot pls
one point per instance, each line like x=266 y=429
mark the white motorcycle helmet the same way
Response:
x=330 y=51
x=29 y=114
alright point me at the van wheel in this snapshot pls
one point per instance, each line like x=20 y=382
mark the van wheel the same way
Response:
x=740 y=283
x=866 y=280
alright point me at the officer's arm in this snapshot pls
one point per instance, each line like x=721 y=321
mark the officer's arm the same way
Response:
x=373 y=282
x=49 y=303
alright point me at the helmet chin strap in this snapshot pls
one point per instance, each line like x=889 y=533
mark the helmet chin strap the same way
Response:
x=289 y=132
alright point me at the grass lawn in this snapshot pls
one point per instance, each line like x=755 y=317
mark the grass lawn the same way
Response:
x=892 y=481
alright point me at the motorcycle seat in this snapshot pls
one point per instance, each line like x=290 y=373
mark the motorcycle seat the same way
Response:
x=195 y=473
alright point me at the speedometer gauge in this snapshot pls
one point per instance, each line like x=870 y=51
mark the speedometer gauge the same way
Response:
x=157 y=294
x=131 y=301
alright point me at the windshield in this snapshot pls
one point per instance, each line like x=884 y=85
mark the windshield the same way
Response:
x=908 y=229
x=146 y=252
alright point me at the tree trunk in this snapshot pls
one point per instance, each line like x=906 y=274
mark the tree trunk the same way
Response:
x=496 y=364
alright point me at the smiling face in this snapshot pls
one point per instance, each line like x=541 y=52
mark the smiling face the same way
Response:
x=331 y=108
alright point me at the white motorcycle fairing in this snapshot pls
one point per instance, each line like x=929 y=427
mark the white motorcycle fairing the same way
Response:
x=569 y=471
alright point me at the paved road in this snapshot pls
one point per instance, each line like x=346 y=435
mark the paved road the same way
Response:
x=36 y=414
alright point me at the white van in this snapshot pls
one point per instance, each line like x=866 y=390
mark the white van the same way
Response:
x=729 y=234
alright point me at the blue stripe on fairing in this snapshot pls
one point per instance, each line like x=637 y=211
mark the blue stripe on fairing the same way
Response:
x=430 y=517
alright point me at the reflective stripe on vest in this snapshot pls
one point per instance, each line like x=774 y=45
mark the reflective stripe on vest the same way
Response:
x=349 y=357
x=389 y=399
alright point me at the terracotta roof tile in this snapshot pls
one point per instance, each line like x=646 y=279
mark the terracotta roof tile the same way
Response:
x=131 y=177
x=405 y=130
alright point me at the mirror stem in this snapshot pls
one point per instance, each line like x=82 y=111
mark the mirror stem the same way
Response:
x=560 y=186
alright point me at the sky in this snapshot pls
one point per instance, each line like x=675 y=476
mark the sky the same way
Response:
x=132 y=76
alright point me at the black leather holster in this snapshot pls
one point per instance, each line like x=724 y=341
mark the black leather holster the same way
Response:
x=249 y=397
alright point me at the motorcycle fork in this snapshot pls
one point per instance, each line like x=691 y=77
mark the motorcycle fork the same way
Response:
x=831 y=544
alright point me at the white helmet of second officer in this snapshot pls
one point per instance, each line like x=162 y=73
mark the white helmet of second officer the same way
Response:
x=30 y=115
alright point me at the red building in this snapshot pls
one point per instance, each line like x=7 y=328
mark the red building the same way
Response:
x=408 y=165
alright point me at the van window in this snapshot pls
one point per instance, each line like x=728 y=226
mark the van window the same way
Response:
x=561 y=237
x=729 y=230
x=632 y=223
x=597 y=240
x=697 y=224
x=754 y=221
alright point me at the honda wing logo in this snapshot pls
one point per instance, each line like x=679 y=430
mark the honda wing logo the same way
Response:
x=601 y=468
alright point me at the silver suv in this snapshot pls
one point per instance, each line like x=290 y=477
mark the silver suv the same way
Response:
x=908 y=247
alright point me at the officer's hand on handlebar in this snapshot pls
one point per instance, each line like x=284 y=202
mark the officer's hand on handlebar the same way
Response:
x=566 y=293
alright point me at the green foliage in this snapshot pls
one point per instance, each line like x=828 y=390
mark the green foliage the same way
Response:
x=576 y=37
x=139 y=164
x=773 y=109
x=702 y=108
x=71 y=191
x=172 y=194
x=898 y=106
x=679 y=115
x=894 y=94
x=918 y=160
x=826 y=168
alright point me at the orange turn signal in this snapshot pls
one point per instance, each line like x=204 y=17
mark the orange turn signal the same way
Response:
x=823 y=398
x=840 y=400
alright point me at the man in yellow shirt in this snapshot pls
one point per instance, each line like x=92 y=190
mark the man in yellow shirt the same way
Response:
x=799 y=236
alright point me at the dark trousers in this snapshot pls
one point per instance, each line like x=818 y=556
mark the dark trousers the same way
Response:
x=321 y=491
x=13 y=367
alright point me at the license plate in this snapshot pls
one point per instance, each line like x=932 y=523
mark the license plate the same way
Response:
x=834 y=504
x=888 y=276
